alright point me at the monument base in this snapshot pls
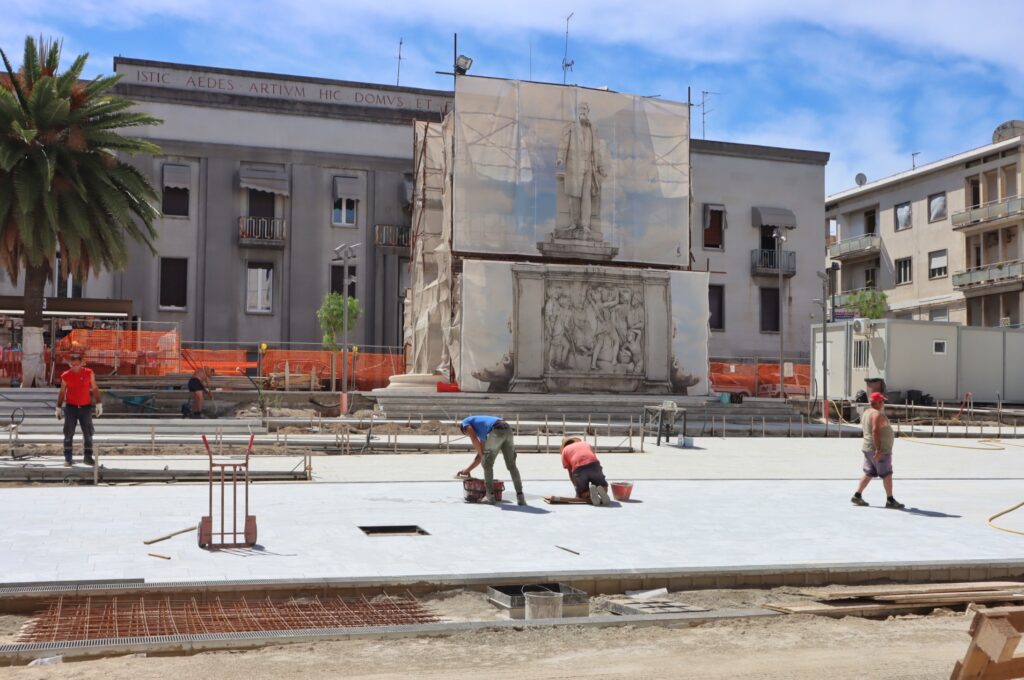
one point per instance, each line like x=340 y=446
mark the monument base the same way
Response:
x=579 y=249
x=413 y=382
x=589 y=384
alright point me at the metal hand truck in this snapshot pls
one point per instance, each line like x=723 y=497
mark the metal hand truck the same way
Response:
x=228 y=536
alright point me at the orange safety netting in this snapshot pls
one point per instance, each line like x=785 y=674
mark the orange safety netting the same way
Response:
x=125 y=351
x=758 y=380
x=369 y=371
x=222 y=361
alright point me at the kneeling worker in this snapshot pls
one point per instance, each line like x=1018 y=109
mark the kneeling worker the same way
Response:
x=585 y=471
x=491 y=435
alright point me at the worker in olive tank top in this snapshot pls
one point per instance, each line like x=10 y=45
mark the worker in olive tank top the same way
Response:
x=877 y=449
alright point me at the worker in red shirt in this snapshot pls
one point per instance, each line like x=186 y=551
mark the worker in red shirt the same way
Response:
x=78 y=400
x=585 y=471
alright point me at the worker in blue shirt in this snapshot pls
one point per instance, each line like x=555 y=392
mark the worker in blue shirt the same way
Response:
x=491 y=435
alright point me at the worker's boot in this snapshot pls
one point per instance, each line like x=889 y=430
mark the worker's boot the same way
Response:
x=520 y=498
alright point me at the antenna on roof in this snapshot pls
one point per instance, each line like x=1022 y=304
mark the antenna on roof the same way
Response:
x=704 y=111
x=913 y=160
x=566 y=63
x=398 y=76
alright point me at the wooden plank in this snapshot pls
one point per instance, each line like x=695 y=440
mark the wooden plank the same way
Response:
x=974 y=663
x=907 y=589
x=853 y=609
x=998 y=638
x=1007 y=670
x=953 y=598
x=565 y=500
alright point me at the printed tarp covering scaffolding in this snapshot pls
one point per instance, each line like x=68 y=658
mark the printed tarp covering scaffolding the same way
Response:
x=552 y=176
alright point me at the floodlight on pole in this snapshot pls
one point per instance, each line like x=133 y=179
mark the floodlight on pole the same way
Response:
x=463 y=64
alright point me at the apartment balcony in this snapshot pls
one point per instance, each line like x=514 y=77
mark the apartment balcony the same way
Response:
x=843 y=299
x=868 y=245
x=765 y=262
x=989 y=212
x=264 y=232
x=989 y=275
x=392 y=239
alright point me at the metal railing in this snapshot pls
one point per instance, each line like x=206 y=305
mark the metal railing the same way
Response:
x=392 y=235
x=989 y=273
x=267 y=230
x=859 y=245
x=843 y=298
x=765 y=261
x=993 y=210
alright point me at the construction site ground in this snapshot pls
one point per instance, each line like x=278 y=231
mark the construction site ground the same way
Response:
x=760 y=504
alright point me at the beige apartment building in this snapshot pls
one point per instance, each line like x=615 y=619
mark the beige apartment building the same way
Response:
x=941 y=240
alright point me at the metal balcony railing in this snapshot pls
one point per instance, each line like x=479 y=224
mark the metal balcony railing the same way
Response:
x=765 y=261
x=868 y=244
x=263 y=231
x=989 y=274
x=392 y=236
x=993 y=210
x=842 y=299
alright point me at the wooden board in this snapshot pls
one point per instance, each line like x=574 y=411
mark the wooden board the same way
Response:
x=565 y=500
x=908 y=589
x=942 y=600
x=853 y=609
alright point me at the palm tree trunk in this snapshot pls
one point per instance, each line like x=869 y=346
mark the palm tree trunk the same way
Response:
x=33 y=365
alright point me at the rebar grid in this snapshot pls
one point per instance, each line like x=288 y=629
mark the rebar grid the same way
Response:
x=100 y=618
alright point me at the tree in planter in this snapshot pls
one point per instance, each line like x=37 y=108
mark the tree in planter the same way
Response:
x=869 y=304
x=62 y=185
x=331 y=316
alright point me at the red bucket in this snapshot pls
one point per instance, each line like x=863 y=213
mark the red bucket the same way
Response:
x=622 y=490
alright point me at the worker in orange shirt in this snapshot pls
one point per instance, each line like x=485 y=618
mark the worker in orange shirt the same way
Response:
x=79 y=399
x=585 y=471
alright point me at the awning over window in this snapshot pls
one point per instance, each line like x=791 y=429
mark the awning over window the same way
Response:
x=774 y=217
x=270 y=179
x=349 y=186
x=177 y=176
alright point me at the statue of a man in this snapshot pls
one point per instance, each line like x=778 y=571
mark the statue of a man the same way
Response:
x=580 y=153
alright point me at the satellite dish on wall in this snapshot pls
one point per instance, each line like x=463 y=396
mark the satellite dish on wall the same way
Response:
x=861 y=179
x=1008 y=130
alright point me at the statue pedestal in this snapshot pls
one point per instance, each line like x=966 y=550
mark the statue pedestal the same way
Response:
x=579 y=249
x=413 y=382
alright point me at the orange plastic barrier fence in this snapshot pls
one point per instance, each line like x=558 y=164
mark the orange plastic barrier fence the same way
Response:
x=368 y=371
x=128 y=352
x=758 y=380
x=222 y=361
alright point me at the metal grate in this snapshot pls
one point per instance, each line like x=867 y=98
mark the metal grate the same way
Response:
x=98 y=618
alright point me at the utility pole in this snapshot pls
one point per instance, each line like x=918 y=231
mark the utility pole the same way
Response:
x=704 y=111
x=779 y=240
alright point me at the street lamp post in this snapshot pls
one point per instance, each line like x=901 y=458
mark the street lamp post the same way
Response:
x=825 y=290
x=344 y=253
x=779 y=240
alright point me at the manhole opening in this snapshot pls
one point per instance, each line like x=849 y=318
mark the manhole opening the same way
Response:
x=395 y=530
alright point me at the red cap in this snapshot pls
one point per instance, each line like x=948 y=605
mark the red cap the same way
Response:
x=877 y=396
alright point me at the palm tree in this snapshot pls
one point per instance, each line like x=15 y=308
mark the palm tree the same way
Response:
x=62 y=185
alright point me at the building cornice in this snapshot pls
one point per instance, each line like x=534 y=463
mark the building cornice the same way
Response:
x=771 y=153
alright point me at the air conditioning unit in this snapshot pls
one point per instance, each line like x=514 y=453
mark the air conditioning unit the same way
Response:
x=862 y=326
x=1005 y=321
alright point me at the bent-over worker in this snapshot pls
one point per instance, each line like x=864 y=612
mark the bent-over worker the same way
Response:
x=491 y=435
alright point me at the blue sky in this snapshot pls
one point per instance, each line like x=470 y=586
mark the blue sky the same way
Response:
x=871 y=82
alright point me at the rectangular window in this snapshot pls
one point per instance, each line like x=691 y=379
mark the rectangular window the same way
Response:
x=938 y=346
x=938 y=314
x=714 y=226
x=860 y=353
x=974 y=191
x=716 y=303
x=261 y=204
x=177 y=180
x=937 y=207
x=66 y=285
x=345 y=213
x=871 y=277
x=903 y=216
x=904 y=270
x=937 y=264
x=173 y=282
x=769 y=310
x=338 y=279
x=870 y=222
x=1010 y=180
x=259 y=288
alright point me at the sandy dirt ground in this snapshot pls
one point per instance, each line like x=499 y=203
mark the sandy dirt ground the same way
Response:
x=791 y=647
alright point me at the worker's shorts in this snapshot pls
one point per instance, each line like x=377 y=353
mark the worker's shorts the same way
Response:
x=585 y=475
x=877 y=468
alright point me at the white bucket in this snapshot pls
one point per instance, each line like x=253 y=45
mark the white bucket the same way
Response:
x=543 y=605
x=685 y=442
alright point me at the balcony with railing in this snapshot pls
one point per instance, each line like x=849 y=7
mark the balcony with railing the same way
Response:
x=266 y=232
x=393 y=239
x=765 y=262
x=844 y=298
x=856 y=247
x=1011 y=206
x=989 y=275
